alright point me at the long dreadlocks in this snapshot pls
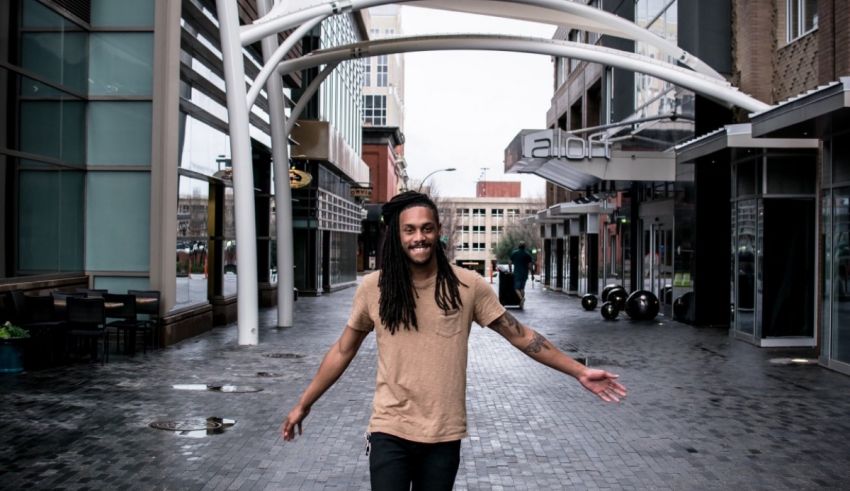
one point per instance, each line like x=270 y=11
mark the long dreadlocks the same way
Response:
x=397 y=300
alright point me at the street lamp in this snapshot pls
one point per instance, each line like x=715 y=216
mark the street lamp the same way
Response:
x=449 y=169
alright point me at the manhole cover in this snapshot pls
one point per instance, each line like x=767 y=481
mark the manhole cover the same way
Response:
x=283 y=355
x=233 y=388
x=192 y=424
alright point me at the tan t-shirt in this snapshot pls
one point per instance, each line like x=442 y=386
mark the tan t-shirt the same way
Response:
x=420 y=390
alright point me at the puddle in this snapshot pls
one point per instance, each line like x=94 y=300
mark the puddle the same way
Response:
x=233 y=389
x=195 y=427
x=284 y=355
x=268 y=374
x=794 y=361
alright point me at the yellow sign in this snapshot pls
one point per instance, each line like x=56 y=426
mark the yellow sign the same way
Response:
x=299 y=179
x=361 y=192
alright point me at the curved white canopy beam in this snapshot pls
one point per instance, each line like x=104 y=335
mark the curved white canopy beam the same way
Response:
x=279 y=53
x=306 y=96
x=554 y=12
x=711 y=87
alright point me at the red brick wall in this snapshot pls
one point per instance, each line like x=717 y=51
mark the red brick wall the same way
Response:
x=383 y=179
x=833 y=40
x=796 y=67
x=498 y=189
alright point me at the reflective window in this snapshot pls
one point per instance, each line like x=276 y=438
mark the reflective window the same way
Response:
x=118 y=221
x=53 y=48
x=229 y=245
x=383 y=71
x=375 y=110
x=192 y=241
x=50 y=216
x=802 y=18
x=120 y=63
x=122 y=13
x=53 y=128
x=841 y=258
x=119 y=133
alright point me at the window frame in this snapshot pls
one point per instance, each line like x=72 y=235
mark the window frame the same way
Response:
x=798 y=31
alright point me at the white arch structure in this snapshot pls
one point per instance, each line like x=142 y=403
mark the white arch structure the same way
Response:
x=700 y=78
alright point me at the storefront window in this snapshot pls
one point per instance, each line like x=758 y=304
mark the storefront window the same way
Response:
x=841 y=268
x=229 y=245
x=192 y=241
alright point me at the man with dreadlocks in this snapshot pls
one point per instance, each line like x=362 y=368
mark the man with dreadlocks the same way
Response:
x=421 y=309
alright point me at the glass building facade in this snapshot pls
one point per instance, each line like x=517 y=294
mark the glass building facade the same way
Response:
x=76 y=153
x=115 y=161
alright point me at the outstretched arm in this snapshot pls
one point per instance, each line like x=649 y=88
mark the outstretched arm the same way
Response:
x=533 y=344
x=335 y=362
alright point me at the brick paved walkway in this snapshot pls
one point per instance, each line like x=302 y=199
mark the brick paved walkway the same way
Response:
x=704 y=412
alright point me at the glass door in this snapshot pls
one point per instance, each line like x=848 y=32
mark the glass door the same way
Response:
x=745 y=223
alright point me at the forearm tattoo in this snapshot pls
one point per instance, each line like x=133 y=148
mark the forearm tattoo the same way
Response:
x=507 y=323
x=537 y=344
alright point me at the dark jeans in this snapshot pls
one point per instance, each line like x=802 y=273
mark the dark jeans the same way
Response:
x=395 y=463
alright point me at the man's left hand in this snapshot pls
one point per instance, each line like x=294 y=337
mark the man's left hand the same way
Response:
x=603 y=384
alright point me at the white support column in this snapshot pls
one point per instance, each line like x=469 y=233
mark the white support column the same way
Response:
x=243 y=172
x=282 y=191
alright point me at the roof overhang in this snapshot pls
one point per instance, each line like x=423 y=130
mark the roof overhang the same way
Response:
x=575 y=163
x=734 y=136
x=567 y=211
x=814 y=114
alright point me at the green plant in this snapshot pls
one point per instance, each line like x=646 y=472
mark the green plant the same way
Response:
x=9 y=331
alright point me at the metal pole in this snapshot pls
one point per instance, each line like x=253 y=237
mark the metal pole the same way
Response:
x=243 y=172
x=282 y=191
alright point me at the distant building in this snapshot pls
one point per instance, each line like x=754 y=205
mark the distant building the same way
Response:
x=472 y=226
x=498 y=189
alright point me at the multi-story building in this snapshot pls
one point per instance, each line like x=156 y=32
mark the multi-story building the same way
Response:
x=383 y=75
x=115 y=155
x=766 y=187
x=472 y=226
x=383 y=131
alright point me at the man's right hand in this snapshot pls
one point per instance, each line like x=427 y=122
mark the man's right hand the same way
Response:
x=293 y=420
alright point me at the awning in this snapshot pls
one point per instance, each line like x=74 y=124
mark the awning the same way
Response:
x=816 y=113
x=730 y=137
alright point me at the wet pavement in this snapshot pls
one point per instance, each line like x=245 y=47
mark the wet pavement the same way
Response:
x=704 y=412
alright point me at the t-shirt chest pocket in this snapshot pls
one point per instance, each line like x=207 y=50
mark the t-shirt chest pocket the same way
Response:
x=449 y=323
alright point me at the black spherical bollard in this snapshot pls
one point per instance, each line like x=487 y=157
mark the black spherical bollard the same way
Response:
x=681 y=306
x=642 y=305
x=607 y=290
x=618 y=297
x=609 y=311
x=589 y=301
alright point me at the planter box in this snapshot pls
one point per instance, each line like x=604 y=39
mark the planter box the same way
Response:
x=10 y=355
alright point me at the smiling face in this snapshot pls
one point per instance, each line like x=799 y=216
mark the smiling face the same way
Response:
x=419 y=234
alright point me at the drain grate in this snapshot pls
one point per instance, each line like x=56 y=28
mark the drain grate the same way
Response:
x=283 y=355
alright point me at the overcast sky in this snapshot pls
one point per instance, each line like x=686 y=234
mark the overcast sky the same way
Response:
x=462 y=108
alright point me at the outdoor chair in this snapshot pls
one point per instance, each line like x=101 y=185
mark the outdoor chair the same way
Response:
x=87 y=321
x=91 y=292
x=125 y=322
x=147 y=305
